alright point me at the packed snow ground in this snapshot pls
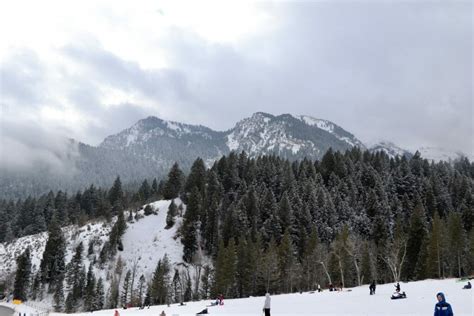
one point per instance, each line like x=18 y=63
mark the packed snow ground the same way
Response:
x=357 y=301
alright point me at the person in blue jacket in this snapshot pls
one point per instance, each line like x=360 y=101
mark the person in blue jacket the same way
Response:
x=442 y=308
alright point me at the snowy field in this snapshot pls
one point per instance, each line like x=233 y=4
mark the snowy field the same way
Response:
x=421 y=300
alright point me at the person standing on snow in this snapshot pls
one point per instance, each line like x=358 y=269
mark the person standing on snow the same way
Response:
x=442 y=308
x=266 y=306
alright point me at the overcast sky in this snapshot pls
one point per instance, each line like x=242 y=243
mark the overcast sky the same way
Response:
x=392 y=70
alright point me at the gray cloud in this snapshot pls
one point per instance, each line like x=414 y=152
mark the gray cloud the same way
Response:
x=26 y=145
x=21 y=77
x=400 y=71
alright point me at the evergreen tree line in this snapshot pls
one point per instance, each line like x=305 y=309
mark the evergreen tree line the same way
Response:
x=280 y=226
x=33 y=215
x=274 y=225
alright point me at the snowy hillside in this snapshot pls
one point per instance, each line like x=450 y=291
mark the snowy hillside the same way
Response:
x=288 y=136
x=389 y=148
x=441 y=154
x=96 y=232
x=153 y=145
x=357 y=301
x=145 y=242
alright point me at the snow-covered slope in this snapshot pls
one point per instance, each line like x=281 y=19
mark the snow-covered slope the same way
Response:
x=150 y=128
x=96 y=232
x=421 y=298
x=145 y=242
x=390 y=149
x=288 y=136
x=441 y=154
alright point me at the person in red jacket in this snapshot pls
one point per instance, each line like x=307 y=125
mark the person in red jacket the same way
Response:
x=116 y=313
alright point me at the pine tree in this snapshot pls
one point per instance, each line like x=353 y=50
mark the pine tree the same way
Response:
x=191 y=225
x=75 y=278
x=126 y=288
x=145 y=191
x=285 y=263
x=90 y=290
x=52 y=265
x=172 y=211
x=160 y=282
x=154 y=188
x=174 y=184
x=416 y=236
x=59 y=295
x=70 y=305
x=457 y=242
x=206 y=282
x=339 y=249
x=197 y=177
x=113 y=297
x=148 y=210
x=243 y=269
x=269 y=267
x=99 y=295
x=22 y=276
x=141 y=288
x=435 y=250
x=116 y=193
x=115 y=237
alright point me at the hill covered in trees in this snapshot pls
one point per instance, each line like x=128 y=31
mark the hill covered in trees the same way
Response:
x=271 y=224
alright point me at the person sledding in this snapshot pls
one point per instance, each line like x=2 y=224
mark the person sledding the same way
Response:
x=467 y=286
x=398 y=295
x=397 y=287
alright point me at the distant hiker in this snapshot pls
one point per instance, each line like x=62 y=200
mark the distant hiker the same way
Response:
x=372 y=287
x=331 y=287
x=397 y=287
x=221 y=299
x=116 y=313
x=467 y=286
x=319 y=287
x=442 y=308
x=266 y=306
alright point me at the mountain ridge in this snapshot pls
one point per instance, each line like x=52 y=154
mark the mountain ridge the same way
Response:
x=148 y=148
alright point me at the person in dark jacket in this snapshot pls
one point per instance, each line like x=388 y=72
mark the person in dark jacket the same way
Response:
x=467 y=286
x=397 y=287
x=372 y=288
x=442 y=308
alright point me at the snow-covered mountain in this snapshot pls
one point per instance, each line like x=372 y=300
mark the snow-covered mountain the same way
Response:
x=390 y=149
x=288 y=136
x=150 y=147
x=441 y=154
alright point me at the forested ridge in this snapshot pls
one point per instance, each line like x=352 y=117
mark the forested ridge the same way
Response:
x=270 y=224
